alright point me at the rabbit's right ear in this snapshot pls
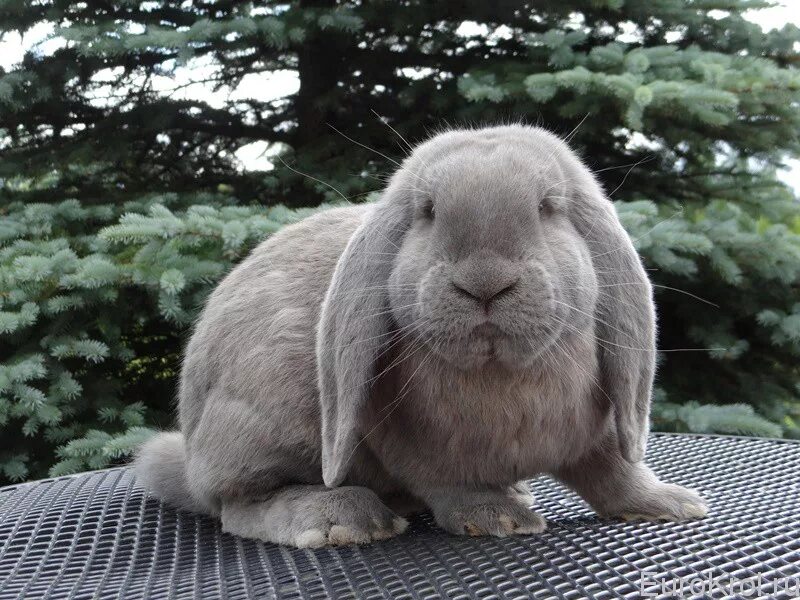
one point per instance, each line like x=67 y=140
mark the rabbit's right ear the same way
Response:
x=625 y=320
x=353 y=328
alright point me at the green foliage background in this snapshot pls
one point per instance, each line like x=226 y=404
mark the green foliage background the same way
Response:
x=122 y=201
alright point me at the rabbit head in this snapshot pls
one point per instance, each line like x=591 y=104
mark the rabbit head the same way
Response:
x=486 y=246
x=490 y=264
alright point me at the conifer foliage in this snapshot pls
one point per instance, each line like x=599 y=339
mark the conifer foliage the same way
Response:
x=123 y=202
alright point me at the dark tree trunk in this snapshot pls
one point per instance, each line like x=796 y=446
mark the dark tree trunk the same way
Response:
x=320 y=67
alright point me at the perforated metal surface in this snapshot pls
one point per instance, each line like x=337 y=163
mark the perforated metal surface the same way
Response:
x=98 y=535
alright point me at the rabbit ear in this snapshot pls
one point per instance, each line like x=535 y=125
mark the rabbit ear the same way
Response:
x=353 y=326
x=625 y=319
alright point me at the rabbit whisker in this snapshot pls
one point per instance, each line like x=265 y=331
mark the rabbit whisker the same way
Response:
x=371 y=290
x=392 y=309
x=628 y=172
x=634 y=240
x=545 y=356
x=613 y=297
x=367 y=193
x=591 y=316
x=583 y=333
x=633 y=164
x=365 y=340
x=389 y=158
x=402 y=394
x=603 y=341
x=557 y=183
x=385 y=122
x=366 y=295
x=384 y=371
x=384 y=236
x=557 y=346
x=617 y=299
x=395 y=403
x=409 y=330
x=325 y=183
x=574 y=132
x=655 y=285
x=413 y=189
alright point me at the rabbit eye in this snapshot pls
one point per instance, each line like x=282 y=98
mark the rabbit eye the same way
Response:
x=430 y=210
x=545 y=207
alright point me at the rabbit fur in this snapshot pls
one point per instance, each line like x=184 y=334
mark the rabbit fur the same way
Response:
x=487 y=320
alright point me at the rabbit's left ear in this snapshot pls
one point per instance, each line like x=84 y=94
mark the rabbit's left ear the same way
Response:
x=352 y=330
x=625 y=318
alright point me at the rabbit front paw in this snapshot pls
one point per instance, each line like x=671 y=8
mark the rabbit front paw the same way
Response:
x=469 y=512
x=308 y=516
x=664 y=502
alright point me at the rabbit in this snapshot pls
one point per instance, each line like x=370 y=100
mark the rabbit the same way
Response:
x=485 y=321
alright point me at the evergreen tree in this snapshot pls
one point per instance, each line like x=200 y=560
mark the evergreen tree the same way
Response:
x=122 y=201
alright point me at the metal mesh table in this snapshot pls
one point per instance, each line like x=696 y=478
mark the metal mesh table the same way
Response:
x=99 y=535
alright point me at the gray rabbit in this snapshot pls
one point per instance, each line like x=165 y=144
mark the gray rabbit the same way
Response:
x=485 y=321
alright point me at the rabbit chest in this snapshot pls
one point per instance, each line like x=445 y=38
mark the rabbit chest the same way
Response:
x=488 y=426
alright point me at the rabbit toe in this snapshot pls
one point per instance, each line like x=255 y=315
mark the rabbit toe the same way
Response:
x=521 y=493
x=311 y=538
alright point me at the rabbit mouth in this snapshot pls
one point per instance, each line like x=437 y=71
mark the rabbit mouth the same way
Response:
x=487 y=331
x=486 y=339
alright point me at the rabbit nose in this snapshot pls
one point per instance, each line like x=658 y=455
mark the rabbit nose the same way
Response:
x=485 y=290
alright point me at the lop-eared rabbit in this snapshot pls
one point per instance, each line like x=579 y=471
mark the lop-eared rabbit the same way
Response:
x=486 y=320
